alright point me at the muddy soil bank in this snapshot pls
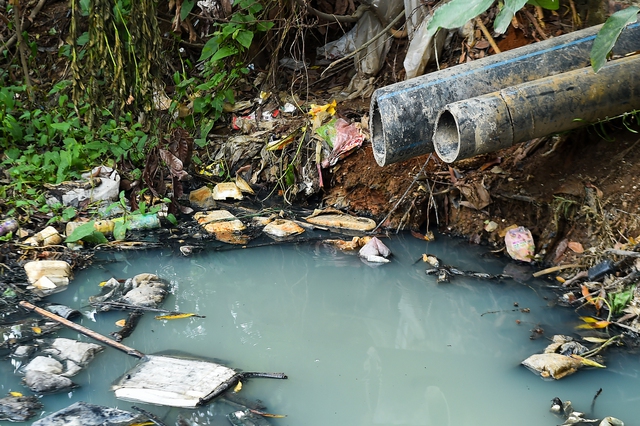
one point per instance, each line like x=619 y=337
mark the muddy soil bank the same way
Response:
x=578 y=187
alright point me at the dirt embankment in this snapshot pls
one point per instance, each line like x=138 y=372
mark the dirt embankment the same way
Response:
x=582 y=187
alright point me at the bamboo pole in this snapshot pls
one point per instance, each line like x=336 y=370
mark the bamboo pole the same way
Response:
x=81 y=329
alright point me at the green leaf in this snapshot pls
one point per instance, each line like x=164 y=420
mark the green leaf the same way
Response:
x=187 y=7
x=171 y=218
x=608 y=35
x=210 y=47
x=244 y=37
x=456 y=13
x=289 y=176
x=120 y=230
x=64 y=126
x=224 y=52
x=503 y=19
x=87 y=233
x=619 y=301
x=546 y=4
x=264 y=26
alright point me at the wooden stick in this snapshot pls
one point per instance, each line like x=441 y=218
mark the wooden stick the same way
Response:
x=555 y=269
x=77 y=327
x=488 y=35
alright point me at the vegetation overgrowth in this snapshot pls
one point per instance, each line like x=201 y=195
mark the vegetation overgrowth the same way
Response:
x=108 y=106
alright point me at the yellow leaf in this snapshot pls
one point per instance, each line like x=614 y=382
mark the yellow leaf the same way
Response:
x=143 y=424
x=594 y=339
x=102 y=283
x=174 y=316
x=36 y=330
x=587 y=362
x=16 y=394
x=329 y=108
x=560 y=279
x=121 y=323
x=238 y=387
x=588 y=319
x=594 y=325
x=273 y=416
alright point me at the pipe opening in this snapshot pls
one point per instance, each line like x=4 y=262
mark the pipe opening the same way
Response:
x=446 y=137
x=378 y=136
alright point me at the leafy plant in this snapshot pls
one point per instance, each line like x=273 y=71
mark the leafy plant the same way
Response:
x=222 y=64
x=457 y=12
x=609 y=33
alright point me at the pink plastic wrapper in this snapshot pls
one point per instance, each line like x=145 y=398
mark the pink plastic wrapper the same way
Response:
x=519 y=243
x=348 y=138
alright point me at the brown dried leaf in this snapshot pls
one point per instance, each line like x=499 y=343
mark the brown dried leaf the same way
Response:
x=152 y=174
x=181 y=145
x=174 y=164
x=575 y=246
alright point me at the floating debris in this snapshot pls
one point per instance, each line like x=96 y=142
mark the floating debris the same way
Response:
x=18 y=408
x=333 y=218
x=280 y=229
x=444 y=273
x=375 y=251
x=202 y=199
x=48 y=276
x=41 y=382
x=223 y=225
x=91 y=415
x=226 y=190
x=143 y=290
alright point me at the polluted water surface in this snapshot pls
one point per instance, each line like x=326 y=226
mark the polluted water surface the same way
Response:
x=361 y=344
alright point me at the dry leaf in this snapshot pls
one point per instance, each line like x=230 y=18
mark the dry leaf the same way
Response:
x=575 y=246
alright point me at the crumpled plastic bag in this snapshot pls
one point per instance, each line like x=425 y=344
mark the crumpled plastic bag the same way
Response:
x=375 y=251
x=107 y=190
x=346 y=138
x=519 y=244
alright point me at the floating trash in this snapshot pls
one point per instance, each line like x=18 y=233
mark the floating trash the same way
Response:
x=226 y=190
x=19 y=408
x=48 y=276
x=375 y=251
x=332 y=218
x=280 y=229
x=552 y=365
x=223 y=225
x=91 y=415
x=47 y=237
x=202 y=199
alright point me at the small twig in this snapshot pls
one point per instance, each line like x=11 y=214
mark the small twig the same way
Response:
x=335 y=18
x=535 y=24
x=21 y=46
x=36 y=10
x=593 y=402
x=580 y=275
x=555 y=269
x=152 y=417
x=365 y=45
x=487 y=35
x=576 y=17
x=599 y=348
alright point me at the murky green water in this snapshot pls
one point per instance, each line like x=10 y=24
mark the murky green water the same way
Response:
x=361 y=345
